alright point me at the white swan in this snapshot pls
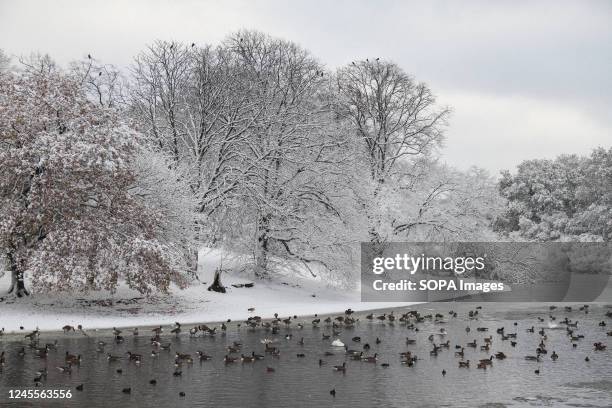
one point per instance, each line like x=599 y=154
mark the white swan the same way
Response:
x=337 y=343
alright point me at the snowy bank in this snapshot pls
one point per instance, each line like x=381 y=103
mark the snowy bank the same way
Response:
x=292 y=292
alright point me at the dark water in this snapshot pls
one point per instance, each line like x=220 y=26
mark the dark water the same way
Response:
x=300 y=382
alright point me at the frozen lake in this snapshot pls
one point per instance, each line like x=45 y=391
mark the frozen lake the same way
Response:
x=302 y=382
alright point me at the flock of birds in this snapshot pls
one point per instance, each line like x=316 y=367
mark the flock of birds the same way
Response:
x=235 y=354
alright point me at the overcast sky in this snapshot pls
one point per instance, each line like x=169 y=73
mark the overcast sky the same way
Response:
x=526 y=79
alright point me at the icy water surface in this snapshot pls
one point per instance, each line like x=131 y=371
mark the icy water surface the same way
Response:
x=301 y=382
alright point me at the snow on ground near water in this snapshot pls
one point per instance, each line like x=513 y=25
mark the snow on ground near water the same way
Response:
x=289 y=293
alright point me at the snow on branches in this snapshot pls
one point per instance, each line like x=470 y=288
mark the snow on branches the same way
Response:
x=68 y=219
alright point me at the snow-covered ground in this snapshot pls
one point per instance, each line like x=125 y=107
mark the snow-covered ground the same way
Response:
x=289 y=293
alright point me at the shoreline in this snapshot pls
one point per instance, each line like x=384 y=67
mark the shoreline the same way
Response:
x=145 y=330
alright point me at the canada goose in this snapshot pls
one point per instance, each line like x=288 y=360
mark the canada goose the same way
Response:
x=111 y=357
x=410 y=341
x=599 y=346
x=134 y=357
x=340 y=367
x=464 y=364
x=532 y=358
x=182 y=394
x=203 y=356
x=371 y=359
x=472 y=344
x=482 y=366
x=65 y=369
x=460 y=353
x=228 y=360
x=247 y=359
x=356 y=339
x=177 y=373
x=500 y=355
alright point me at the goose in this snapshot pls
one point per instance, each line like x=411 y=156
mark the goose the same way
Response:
x=356 y=339
x=532 y=358
x=371 y=359
x=460 y=353
x=481 y=366
x=270 y=369
x=182 y=394
x=487 y=361
x=111 y=357
x=599 y=346
x=300 y=355
x=464 y=364
x=554 y=355
x=247 y=359
x=134 y=357
x=500 y=355
x=366 y=346
x=64 y=369
x=203 y=356
x=337 y=343
x=79 y=387
x=410 y=341
x=333 y=392
x=153 y=382
x=472 y=344
x=67 y=328
x=228 y=360
x=340 y=367
x=127 y=390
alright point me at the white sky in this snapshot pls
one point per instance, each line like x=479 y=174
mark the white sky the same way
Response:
x=525 y=79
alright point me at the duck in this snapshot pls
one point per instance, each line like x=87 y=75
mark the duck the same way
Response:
x=554 y=355
x=532 y=358
x=500 y=355
x=79 y=387
x=153 y=382
x=333 y=392
x=127 y=390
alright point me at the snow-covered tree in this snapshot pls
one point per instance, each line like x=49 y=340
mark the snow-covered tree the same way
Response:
x=394 y=118
x=568 y=198
x=68 y=216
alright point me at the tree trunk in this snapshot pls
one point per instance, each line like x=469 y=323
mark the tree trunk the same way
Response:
x=17 y=281
x=216 y=285
x=261 y=254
